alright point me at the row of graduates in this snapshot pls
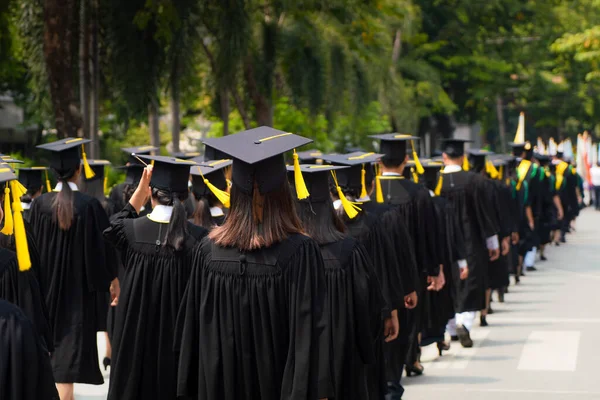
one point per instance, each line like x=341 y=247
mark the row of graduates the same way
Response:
x=268 y=312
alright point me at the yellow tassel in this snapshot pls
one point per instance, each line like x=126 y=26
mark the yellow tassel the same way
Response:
x=8 y=217
x=415 y=176
x=48 y=185
x=301 y=190
x=222 y=195
x=378 y=190
x=19 y=229
x=420 y=169
x=350 y=208
x=501 y=173
x=465 y=165
x=438 y=187
x=89 y=173
x=363 y=183
x=105 y=184
x=491 y=170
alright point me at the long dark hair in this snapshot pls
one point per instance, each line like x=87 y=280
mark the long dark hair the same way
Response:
x=255 y=221
x=177 y=231
x=202 y=216
x=320 y=221
x=128 y=191
x=63 y=202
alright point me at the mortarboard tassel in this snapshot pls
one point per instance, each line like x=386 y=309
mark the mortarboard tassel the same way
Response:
x=438 y=187
x=89 y=173
x=8 y=217
x=465 y=164
x=418 y=165
x=491 y=170
x=501 y=172
x=415 y=176
x=350 y=208
x=105 y=186
x=378 y=190
x=48 y=185
x=19 y=229
x=222 y=195
x=363 y=182
x=301 y=190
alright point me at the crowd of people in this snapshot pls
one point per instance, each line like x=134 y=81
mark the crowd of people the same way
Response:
x=235 y=276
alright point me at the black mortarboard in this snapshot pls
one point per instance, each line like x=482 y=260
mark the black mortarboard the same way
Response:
x=213 y=172
x=351 y=178
x=431 y=174
x=7 y=174
x=310 y=157
x=258 y=157
x=138 y=151
x=478 y=158
x=133 y=173
x=66 y=153
x=454 y=147
x=98 y=167
x=32 y=178
x=186 y=155
x=543 y=159
x=210 y=153
x=9 y=160
x=519 y=148
x=170 y=173
x=393 y=146
x=317 y=179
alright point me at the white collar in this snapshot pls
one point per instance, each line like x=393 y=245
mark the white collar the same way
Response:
x=25 y=206
x=390 y=174
x=337 y=204
x=72 y=185
x=431 y=193
x=452 y=168
x=216 y=212
x=363 y=199
x=161 y=214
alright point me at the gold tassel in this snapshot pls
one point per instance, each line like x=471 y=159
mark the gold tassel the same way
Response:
x=301 y=190
x=491 y=170
x=350 y=208
x=438 y=187
x=415 y=176
x=19 y=229
x=89 y=173
x=105 y=184
x=8 y=217
x=222 y=195
x=465 y=165
x=420 y=169
x=48 y=185
x=501 y=173
x=363 y=182
x=378 y=190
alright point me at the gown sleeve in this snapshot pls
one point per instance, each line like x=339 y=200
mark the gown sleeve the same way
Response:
x=484 y=207
x=100 y=258
x=304 y=376
x=115 y=233
x=426 y=243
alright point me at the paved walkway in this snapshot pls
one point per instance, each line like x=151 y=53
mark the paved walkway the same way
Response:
x=542 y=343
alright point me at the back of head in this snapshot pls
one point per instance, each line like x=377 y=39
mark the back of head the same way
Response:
x=62 y=204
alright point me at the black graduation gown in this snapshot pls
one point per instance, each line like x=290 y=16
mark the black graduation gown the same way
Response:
x=355 y=304
x=77 y=267
x=253 y=325
x=470 y=206
x=22 y=289
x=25 y=371
x=498 y=272
x=116 y=201
x=153 y=280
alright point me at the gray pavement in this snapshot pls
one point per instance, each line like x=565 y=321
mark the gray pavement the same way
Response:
x=542 y=343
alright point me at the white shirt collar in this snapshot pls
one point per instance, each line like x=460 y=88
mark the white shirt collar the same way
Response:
x=25 y=206
x=448 y=169
x=216 y=212
x=390 y=174
x=364 y=199
x=431 y=193
x=337 y=204
x=72 y=185
x=161 y=214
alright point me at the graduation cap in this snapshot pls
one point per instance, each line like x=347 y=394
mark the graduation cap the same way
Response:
x=543 y=159
x=258 y=157
x=310 y=157
x=360 y=172
x=170 y=173
x=98 y=167
x=478 y=159
x=33 y=178
x=317 y=179
x=138 y=151
x=68 y=154
x=186 y=155
x=13 y=217
x=393 y=146
x=432 y=173
x=209 y=177
x=5 y=158
x=455 y=148
x=210 y=153
x=519 y=148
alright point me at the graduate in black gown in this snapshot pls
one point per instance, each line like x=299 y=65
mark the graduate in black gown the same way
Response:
x=253 y=322
x=470 y=205
x=551 y=207
x=156 y=253
x=414 y=206
x=18 y=279
x=77 y=266
x=355 y=302
x=25 y=371
x=210 y=193
x=566 y=187
x=33 y=180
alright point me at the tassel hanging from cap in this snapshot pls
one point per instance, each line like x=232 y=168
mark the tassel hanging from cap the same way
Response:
x=501 y=172
x=222 y=195
x=350 y=208
x=438 y=187
x=89 y=173
x=363 y=182
x=418 y=165
x=378 y=190
x=48 y=185
x=415 y=176
x=465 y=164
x=491 y=170
x=22 y=248
x=105 y=184
x=301 y=190
x=8 y=217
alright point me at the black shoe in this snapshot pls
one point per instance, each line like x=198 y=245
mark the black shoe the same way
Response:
x=413 y=370
x=464 y=336
x=106 y=363
x=563 y=240
x=531 y=269
x=443 y=346
x=505 y=291
x=501 y=295
x=483 y=321
x=543 y=258
x=490 y=310
x=454 y=338
x=517 y=280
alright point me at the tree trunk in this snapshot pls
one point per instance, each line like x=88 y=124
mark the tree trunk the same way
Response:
x=153 y=123
x=58 y=56
x=239 y=104
x=224 y=100
x=175 y=99
x=501 y=126
x=262 y=106
x=95 y=80
x=84 y=68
